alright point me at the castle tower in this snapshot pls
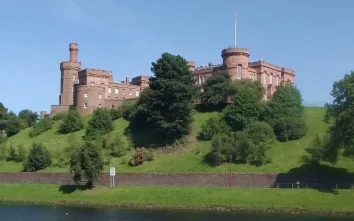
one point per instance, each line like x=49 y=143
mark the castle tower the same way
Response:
x=69 y=76
x=236 y=61
x=191 y=65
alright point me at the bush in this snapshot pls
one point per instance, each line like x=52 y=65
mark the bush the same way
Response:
x=260 y=133
x=213 y=126
x=128 y=109
x=13 y=125
x=316 y=149
x=21 y=153
x=41 y=126
x=118 y=147
x=37 y=159
x=151 y=155
x=3 y=151
x=72 y=122
x=101 y=123
x=290 y=128
x=59 y=116
x=12 y=154
x=138 y=157
x=116 y=114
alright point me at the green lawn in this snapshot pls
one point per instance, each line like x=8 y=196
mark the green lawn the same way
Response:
x=285 y=156
x=281 y=199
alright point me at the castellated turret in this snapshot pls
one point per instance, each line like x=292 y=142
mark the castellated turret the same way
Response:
x=69 y=76
x=236 y=61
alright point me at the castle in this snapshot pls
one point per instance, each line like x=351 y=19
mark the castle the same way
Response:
x=89 y=89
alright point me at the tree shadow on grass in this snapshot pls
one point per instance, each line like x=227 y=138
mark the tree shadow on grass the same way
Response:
x=324 y=178
x=68 y=189
x=201 y=108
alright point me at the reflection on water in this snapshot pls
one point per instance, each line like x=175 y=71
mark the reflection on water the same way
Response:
x=19 y=212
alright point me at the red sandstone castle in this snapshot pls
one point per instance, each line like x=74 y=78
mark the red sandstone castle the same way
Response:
x=89 y=89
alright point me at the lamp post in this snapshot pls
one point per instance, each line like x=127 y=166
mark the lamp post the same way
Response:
x=230 y=171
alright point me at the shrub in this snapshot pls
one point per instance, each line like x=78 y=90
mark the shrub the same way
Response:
x=138 y=157
x=151 y=155
x=41 y=126
x=128 y=109
x=72 y=122
x=13 y=125
x=260 y=133
x=3 y=151
x=115 y=113
x=316 y=149
x=118 y=147
x=222 y=146
x=290 y=128
x=59 y=116
x=101 y=123
x=12 y=154
x=213 y=126
x=37 y=159
x=21 y=153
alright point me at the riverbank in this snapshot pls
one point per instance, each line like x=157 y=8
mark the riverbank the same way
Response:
x=188 y=198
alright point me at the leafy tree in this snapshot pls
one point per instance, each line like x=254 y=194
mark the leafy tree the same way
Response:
x=41 y=126
x=260 y=133
x=21 y=153
x=3 y=151
x=290 y=128
x=13 y=124
x=341 y=114
x=115 y=113
x=316 y=149
x=101 y=123
x=72 y=122
x=59 y=116
x=37 y=159
x=216 y=90
x=3 y=111
x=170 y=103
x=87 y=162
x=29 y=117
x=256 y=86
x=213 y=126
x=245 y=109
x=118 y=147
x=11 y=155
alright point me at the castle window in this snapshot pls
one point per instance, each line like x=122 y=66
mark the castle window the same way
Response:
x=130 y=92
x=137 y=93
x=74 y=77
x=277 y=81
x=271 y=78
x=109 y=90
x=116 y=98
x=123 y=91
x=85 y=94
x=99 y=96
x=85 y=105
x=99 y=106
x=239 y=72
x=109 y=97
x=116 y=91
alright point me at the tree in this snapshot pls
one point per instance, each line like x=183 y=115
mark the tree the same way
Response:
x=216 y=90
x=87 y=163
x=101 y=123
x=37 y=159
x=41 y=126
x=170 y=102
x=118 y=147
x=12 y=125
x=213 y=126
x=244 y=110
x=29 y=117
x=3 y=111
x=341 y=114
x=72 y=122
x=256 y=86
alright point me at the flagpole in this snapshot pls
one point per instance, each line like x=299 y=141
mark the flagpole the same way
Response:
x=235 y=31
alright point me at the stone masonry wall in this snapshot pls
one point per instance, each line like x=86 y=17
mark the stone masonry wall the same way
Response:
x=200 y=180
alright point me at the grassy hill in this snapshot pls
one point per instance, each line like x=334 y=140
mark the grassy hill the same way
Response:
x=285 y=156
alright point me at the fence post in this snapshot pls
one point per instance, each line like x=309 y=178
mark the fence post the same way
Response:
x=336 y=186
x=292 y=186
x=352 y=186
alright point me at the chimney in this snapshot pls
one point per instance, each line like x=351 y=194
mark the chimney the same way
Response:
x=127 y=80
x=73 y=48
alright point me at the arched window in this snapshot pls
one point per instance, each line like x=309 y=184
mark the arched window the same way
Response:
x=277 y=80
x=264 y=76
x=271 y=78
x=239 y=72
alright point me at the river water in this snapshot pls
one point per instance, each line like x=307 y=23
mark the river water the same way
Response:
x=22 y=212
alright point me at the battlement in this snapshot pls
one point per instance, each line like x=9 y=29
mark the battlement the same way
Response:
x=90 y=71
x=141 y=78
x=73 y=46
x=260 y=63
x=235 y=51
x=70 y=65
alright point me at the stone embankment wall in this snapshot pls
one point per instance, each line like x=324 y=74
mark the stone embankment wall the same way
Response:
x=198 y=180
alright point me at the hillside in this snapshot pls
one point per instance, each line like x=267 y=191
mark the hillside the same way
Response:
x=285 y=156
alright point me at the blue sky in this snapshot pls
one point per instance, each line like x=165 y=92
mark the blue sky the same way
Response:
x=315 y=38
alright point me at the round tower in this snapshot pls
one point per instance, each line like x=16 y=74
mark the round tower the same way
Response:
x=73 y=48
x=191 y=65
x=236 y=61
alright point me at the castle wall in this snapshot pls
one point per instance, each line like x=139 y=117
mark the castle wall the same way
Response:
x=58 y=109
x=88 y=98
x=121 y=91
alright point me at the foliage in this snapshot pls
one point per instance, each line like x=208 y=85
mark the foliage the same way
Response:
x=41 y=126
x=21 y=153
x=118 y=147
x=100 y=123
x=87 y=162
x=37 y=159
x=3 y=111
x=127 y=110
x=29 y=117
x=216 y=90
x=116 y=113
x=138 y=157
x=72 y=122
x=245 y=109
x=59 y=116
x=341 y=113
x=316 y=149
x=290 y=128
x=11 y=155
x=151 y=155
x=213 y=126
x=13 y=124
x=256 y=86
x=260 y=133
x=170 y=101
x=3 y=151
